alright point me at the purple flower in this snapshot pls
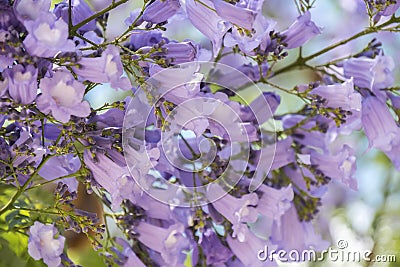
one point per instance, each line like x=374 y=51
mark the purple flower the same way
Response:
x=8 y=20
x=215 y=252
x=47 y=36
x=298 y=173
x=371 y=73
x=247 y=250
x=80 y=12
x=180 y=52
x=207 y=22
x=302 y=30
x=43 y=244
x=391 y=9
x=60 y=166
x=5 y=61
x=259 y=37
x=305 y=135
x=154 y=208
x=234 y=82
x=238 y=211
x=51 y=131
x=257 y=111
x=178 y=84
x=114 y=117
x=272 y=157
x=380 y=128
x=294 y=234
x=160 y=10
x=27 y=141
x=255 y=5
x=98 y=5
x=62 y=95
x=395 y=99
x=105 y=69
x=110 y=171
x=5 y=155
x=133 y=17
x=81 y=44
x=171 y=242
x=379 y=125
x=242 y=17
x=22 y=84
x=133 y=260
x=274 y=202
x=340 y=95
x=148 y=38
x=31 y=9
x=341 y=166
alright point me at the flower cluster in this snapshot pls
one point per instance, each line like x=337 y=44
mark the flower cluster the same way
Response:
x=192 y=170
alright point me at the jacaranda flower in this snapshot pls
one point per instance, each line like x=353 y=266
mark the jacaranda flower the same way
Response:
x=62 y=95
x=43 y=244
x=47 y=36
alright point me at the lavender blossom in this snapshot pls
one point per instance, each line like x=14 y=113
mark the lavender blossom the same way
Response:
x=171 y=242
x=105 y=69
x=305 y=135
x=42 y=244
x=340 y=95
x=207 y=22
x=32 y=152
x=160 y=11
x=272 y=157
x=31 y=9
x=215 y=252
x=180 y=52
x=184 y=82
x=113 y=117
x=379 y=124
x=237 y=15
x=274 y=202
x=371 y=73
x=5 y=156
x=103 y=166
x=148 y=38
x=293 y=234
x=134 y=18
x=22 y=85
x=234 y=82
x=252 y=244
x=237 y=211
x=259 y=37
x=302 y=30
x=390 y=10
x=47 y=36
x=132 y=260
x=62 y=95
x=258 y=106
x=80 y=12
x=341 y=166
x=60 y=166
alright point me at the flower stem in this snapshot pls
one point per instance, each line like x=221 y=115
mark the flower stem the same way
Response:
x=24 y=186
x=302 y=60
x=94 y=16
